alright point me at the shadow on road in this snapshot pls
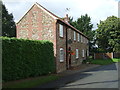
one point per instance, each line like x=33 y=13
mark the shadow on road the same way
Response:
x=105 y=68
x=92 y=83
x=64 y=80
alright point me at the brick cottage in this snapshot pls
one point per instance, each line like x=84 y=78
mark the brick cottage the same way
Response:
x=70 y=45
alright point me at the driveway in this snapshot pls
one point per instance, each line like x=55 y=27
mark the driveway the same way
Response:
x=101 y=77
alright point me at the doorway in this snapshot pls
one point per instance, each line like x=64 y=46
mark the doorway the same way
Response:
x=69 y=58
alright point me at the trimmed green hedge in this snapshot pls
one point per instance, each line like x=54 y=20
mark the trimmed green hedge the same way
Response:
x=23 y=58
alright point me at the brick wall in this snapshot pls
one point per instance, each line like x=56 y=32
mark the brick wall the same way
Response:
x=61 y=42
x=76 y=45
x=37 y=25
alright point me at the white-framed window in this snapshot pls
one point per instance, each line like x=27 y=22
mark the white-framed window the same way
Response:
x=83 y=53
x=60 y=30
x=87 y=52
x=87 y=41
x=78 y=37
x=61 y=54
x=77 y=53
x=74 y=35
x=84 y=39
x=81 y=38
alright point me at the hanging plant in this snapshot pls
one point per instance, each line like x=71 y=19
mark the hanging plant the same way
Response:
x=71 y=52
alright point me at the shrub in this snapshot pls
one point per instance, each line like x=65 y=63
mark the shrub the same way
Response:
x=22 y=58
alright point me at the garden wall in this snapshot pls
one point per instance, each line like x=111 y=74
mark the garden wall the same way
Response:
x=103 y=55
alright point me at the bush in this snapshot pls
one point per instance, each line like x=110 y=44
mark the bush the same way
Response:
x=26 y=58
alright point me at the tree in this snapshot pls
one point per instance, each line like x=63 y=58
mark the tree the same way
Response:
x=73 y=23
x=83 y=24
x=8 y=24
x=108 y=35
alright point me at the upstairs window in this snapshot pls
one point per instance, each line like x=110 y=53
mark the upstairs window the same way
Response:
x=87 y=42
x=84 y=39
x=87 y=52
x=81 y=38
x=61 y=54
x=74 y=35
x=77 y=53
x=78 y=37
x=60 y=30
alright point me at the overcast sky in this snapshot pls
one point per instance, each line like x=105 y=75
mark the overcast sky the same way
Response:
x=96 y=9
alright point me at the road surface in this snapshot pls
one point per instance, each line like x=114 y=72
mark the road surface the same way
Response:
x=105 y=76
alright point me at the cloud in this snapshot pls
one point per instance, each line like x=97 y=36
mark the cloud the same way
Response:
x=96 y=9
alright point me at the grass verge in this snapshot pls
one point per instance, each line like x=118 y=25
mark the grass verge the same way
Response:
x=103 y=61
x=30 y=82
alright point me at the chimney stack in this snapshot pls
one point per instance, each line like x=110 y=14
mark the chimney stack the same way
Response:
x=66 y=19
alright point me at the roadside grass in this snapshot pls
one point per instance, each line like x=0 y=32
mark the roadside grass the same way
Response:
x=103 y=61
x=116 y=59
x=30 y=82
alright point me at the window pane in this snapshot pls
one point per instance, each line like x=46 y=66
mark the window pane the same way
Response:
x=61 y=30
x=74 y=35
x=83 y=53
x=78 y=37
x=77 y=56
x=61 y=55
x=86 y=41
x=87 y=52
x=81 y=38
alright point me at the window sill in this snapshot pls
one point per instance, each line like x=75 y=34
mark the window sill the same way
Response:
x=77 y=58
x=61 y=37
x=61 y=61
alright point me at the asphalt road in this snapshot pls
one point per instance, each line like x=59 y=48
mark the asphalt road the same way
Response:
x=102 y=77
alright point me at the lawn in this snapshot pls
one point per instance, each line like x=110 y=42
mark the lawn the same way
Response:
x=103 y=61
x=30 y=82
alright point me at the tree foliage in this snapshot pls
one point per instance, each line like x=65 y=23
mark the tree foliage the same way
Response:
x=8 y=24
x=83 y=24
x=108 y=35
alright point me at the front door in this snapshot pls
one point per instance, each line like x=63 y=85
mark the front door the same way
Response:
x=69 y=58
